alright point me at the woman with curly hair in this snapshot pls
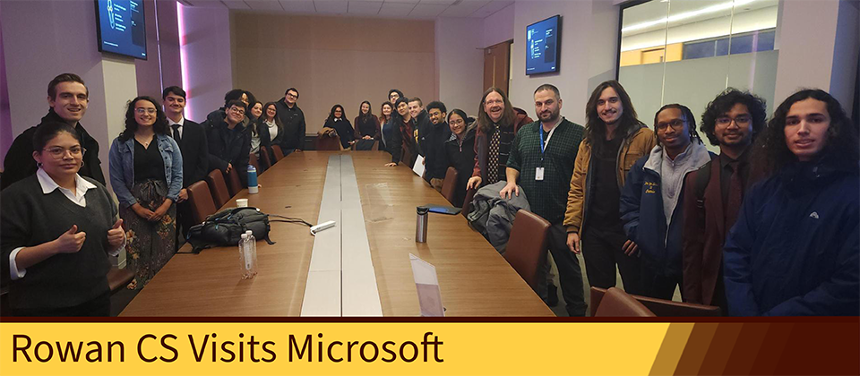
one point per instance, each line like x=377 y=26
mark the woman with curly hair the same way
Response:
x=146 y=175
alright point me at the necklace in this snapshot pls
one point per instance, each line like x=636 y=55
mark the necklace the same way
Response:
x=144 y=143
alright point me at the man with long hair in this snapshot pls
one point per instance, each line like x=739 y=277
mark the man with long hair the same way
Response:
x=493 y=138
x=794 y=248
x=614 y=140
x=713 y=194
x=649 y=204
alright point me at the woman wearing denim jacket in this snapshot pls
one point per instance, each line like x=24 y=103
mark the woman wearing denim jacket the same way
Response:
x=146 y=175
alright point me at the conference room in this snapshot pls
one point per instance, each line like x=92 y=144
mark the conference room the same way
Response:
x=347 y=235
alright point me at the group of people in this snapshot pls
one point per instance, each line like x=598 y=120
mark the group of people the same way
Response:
x=770 y=226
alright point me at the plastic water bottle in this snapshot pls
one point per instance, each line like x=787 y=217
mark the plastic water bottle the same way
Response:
x=248 y=255
x=252 y=179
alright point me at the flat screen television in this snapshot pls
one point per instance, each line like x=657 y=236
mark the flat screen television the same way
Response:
x=121 y=27
x=543 y=39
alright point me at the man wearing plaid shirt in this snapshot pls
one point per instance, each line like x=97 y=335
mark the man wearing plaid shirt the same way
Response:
x=541 y=161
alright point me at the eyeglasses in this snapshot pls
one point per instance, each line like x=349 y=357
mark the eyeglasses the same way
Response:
x=494 y=101
x=293 y=96
x=741 y=120
x=676 y=124
x=59 y=152
x=237 y=110
x=455 y=122
x=141 y=110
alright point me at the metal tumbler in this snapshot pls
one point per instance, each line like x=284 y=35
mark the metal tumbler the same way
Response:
x=421 y=225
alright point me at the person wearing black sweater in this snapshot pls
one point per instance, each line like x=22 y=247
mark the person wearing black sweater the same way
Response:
x=459 y=152
x=229 y=142
x=57 y=231
x=402 y=143
x=337 y=120
x=68 y=98
x=293 y=120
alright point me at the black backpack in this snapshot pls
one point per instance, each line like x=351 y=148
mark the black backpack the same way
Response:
x=227 y=226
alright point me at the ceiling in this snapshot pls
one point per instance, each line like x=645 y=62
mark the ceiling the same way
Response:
x=413 y=9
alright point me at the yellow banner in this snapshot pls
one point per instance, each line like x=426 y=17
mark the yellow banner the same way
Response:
x=332 y=348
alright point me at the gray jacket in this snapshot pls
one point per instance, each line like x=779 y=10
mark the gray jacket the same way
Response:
x=493 y=216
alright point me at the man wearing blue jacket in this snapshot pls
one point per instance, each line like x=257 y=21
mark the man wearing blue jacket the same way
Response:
x=650 y=201
x=795 y=248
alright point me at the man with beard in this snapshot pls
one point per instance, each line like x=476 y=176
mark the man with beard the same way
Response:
x=541 y=160
x=614 y=140
x=650 y=203
x=713 y=194
x=68 y=99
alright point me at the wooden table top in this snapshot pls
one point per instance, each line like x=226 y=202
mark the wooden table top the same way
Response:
x=474 y=279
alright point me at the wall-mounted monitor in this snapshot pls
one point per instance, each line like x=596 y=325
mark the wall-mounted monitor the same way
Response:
x=121 y=27
x=543 y=39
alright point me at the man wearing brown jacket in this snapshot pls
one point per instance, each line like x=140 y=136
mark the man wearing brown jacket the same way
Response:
x=614 y=140
x=713 y=194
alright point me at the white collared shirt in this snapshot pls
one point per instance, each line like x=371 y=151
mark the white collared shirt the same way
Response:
x=78 y=197
x=180 y=122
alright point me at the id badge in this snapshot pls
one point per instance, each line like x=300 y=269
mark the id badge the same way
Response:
x=538 y=173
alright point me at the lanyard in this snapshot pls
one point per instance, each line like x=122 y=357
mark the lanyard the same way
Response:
x=548 y=136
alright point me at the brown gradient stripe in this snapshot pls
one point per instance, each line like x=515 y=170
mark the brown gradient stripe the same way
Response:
x=725 y=339
x=697 y=347
x=745 y=352
x=671 y=349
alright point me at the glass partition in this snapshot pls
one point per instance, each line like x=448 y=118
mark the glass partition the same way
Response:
x=684 y=51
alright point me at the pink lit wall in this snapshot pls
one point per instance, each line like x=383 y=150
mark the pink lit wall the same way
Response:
x=5 y=117
x=205 y=44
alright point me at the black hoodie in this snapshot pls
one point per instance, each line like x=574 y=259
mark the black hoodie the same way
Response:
x=20 y=164
x=462 y=157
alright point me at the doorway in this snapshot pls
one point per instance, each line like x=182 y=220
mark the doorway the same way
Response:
x=497 y=66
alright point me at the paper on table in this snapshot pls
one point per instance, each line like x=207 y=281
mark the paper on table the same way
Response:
x=427 y=284
x=418 y=168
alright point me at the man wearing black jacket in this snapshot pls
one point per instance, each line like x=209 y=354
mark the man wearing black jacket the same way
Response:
x=293 y=120
x=229 y=143
x=432 y=141
x=68 y=98
x=193 y=145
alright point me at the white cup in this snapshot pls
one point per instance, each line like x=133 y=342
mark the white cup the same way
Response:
x=242 y=203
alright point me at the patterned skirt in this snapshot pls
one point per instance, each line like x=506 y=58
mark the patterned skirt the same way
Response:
x=150 y=244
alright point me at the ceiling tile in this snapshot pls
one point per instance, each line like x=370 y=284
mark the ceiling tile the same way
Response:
x=235 y=4
x=204 y=3
x=427 y=10
x=464 y=9
x=331 y=6
x=491 y=7
x=298 y=6
x=445 y=2
x=264 y=5
x=395 y=9
x=364 y=7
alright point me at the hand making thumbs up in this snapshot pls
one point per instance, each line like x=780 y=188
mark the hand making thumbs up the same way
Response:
x=71 y=241
x=116 y=235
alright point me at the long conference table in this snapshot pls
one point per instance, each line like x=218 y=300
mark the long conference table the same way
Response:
x=473 y=278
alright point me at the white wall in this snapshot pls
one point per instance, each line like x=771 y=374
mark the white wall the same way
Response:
x=589 y=37
x=36 y=51
x=209 y=69
x=499 y=27
x=459 y=63
x=818 y=48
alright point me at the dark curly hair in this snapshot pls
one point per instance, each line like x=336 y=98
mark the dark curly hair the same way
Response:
x=160 y=125
x=688 y=115
x=724 y=102
x=595 y=128
x=841 y=150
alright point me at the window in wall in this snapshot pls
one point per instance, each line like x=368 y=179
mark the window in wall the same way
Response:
x=687 y=52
